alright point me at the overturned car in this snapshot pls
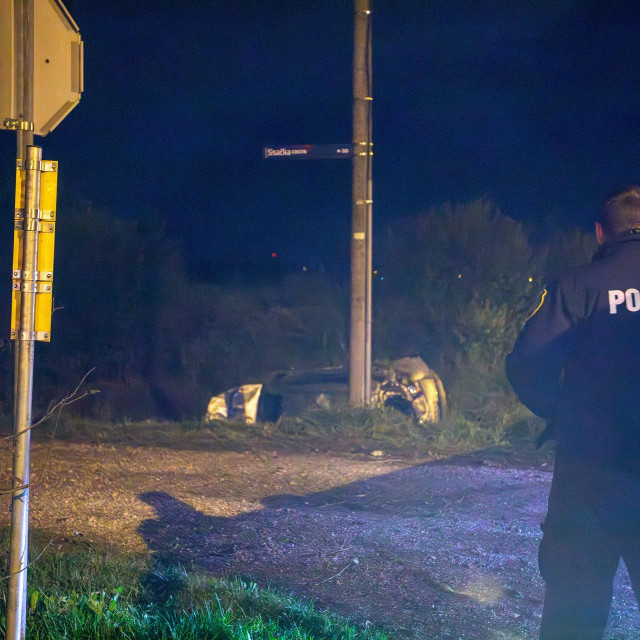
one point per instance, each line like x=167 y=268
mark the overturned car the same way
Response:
x=407 y=385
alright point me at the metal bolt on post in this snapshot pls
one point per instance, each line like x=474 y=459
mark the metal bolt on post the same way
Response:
x=18 y=552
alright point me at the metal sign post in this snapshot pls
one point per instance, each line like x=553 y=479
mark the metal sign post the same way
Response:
x=22 y=116
x=18 y=554
x=41 y=79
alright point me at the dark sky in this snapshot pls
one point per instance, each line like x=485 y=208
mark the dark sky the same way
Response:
x=535 y=104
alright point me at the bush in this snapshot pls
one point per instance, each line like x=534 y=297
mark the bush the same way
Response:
x=459 y=282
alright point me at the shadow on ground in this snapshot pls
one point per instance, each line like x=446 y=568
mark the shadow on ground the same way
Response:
x=433 y=551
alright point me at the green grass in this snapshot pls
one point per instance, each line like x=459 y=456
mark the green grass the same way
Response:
x=386 y=426
x=73 y=427
x=483 y=412
x=506 y=422
x=82 y=592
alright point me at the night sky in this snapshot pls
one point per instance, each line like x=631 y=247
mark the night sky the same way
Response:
x=534 y=104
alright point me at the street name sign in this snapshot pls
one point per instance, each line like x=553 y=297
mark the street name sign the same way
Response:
x=57 y=65
x=310 y=151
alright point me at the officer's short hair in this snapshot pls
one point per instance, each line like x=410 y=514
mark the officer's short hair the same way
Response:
x=622 y=211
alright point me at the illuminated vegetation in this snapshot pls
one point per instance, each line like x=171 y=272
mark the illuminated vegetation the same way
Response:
x=453 y=285
x=79 y=592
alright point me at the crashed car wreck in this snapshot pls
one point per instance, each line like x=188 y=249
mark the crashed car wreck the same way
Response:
x=408 y=385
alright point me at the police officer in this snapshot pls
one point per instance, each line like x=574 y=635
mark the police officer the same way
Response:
x=576 y=364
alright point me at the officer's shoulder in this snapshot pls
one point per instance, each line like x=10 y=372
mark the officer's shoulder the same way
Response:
x=572 y=288
x=582 y=275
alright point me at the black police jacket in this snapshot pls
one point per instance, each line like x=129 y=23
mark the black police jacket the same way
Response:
x=576 y=362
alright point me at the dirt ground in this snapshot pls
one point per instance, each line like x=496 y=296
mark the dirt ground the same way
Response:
x=440 y=549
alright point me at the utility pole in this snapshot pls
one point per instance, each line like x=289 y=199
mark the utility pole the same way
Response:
x=362 y=200
x=361 y=152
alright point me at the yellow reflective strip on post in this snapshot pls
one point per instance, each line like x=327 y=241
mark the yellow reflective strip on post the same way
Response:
x=46 y=246
x=20 y=184
x=15 y=312
x=42 y=320
x=17 y=247
x=49 y=188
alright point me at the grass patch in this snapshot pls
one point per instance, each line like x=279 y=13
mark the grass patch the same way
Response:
x=145 y=432
x=501 y=420
x=488 y=419
x=83 y=592
x=483 y=412
x=351 y=423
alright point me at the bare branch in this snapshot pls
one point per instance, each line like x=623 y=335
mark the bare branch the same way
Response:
x=70 y=399
x=14 y=573
x=66 y=401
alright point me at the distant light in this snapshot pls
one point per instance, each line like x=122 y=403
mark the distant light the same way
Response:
x=304 y=268
x=375 y=272
x=274 y=255
x=459 y=276
x=381 y=277
x=530 y=279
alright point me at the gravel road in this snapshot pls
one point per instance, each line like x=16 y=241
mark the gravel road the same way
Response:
x=437 y=549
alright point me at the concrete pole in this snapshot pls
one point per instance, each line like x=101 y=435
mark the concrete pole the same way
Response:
x=360 y=333
x=369 y=216
x=23 y=371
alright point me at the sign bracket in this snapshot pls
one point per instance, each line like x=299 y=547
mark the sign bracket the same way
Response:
x=17 y=125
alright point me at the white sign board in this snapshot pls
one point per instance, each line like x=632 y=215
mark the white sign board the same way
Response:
x=57 y=64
